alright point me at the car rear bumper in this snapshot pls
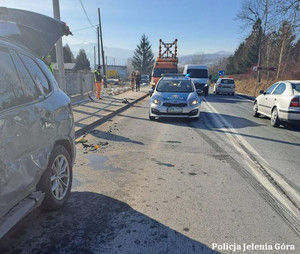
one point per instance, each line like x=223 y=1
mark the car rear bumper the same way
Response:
x=290 y=115
x=225 y=90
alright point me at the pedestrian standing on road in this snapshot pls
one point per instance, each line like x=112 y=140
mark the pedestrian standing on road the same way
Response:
x=132 y=80
x=98 y=80
x=138 y=81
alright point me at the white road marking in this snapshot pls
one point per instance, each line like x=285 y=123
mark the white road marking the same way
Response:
x=239 y=142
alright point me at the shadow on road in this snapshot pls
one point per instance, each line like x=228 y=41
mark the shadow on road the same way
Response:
x=235 y=122
x=109 y=136
x=225 y=98
x=94 y=223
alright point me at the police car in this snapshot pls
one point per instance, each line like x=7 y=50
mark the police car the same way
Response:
x=174 y=96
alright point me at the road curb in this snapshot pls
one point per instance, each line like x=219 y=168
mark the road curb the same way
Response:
x=252 y=98
x=100 y=121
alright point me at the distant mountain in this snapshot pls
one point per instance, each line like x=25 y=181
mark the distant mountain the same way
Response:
x=118 y=56
x=207 y=59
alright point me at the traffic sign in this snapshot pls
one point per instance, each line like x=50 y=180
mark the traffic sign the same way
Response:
x=261 y=68
x=221 y=73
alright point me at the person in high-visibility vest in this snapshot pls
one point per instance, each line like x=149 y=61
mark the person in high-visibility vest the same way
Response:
x=47 y=61
x=98 y=80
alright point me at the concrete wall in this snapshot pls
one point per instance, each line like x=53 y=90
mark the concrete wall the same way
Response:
x=78 y=84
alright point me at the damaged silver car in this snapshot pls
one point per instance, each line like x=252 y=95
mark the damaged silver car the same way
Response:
x=37 y=149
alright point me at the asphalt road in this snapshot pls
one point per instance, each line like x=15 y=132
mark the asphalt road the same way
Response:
x=175 y=186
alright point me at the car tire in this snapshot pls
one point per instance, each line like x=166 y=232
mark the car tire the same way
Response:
x=275 y=122
x=56 y=181
x=255 y=109
x=217 y=92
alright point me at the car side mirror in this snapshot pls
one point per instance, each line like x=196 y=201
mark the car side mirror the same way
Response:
x=150 y=91
x=261 y=92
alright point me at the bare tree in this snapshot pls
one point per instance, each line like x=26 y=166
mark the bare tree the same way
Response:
x=286 y=37
x=258 y=14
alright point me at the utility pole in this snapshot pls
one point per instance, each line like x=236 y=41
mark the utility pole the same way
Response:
x=95 y=67
x=98 y=36
x=102 y=50
x=59 y=51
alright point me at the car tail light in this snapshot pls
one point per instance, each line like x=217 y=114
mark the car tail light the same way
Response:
x=219 y=85
x=294 y=102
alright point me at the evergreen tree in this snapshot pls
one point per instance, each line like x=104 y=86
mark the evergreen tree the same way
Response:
x=68 y=55
x=143 y=58
x=82 y=63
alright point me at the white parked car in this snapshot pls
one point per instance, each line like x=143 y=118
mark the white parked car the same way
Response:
x=280 y=102
x=224 y=86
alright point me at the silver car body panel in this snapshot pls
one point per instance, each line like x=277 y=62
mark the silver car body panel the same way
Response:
x=29 y=131
x=28 y=135
x=20 y=211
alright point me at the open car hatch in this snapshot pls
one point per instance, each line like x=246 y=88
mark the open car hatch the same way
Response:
x=35 y=31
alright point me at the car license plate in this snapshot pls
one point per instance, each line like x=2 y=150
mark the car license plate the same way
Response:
x=174 y=110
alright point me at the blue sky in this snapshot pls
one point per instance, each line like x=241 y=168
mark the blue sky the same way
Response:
x=205 y=26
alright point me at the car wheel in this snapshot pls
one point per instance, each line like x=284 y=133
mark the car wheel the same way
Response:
x=217 y=92
x=274 y=118
x=255 y=109
x=56 y=181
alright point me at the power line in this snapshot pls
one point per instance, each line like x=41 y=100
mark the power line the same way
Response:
x=86 y=14
x=80 y=29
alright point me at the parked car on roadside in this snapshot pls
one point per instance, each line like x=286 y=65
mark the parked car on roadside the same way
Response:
x=280 y=102
x=174 y=96
x=224 y=86
x=37 y=150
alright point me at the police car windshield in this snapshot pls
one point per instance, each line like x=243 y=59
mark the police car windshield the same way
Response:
x=175 y=86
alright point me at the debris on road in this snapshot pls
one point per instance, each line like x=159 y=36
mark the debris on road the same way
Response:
x=81 y=140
